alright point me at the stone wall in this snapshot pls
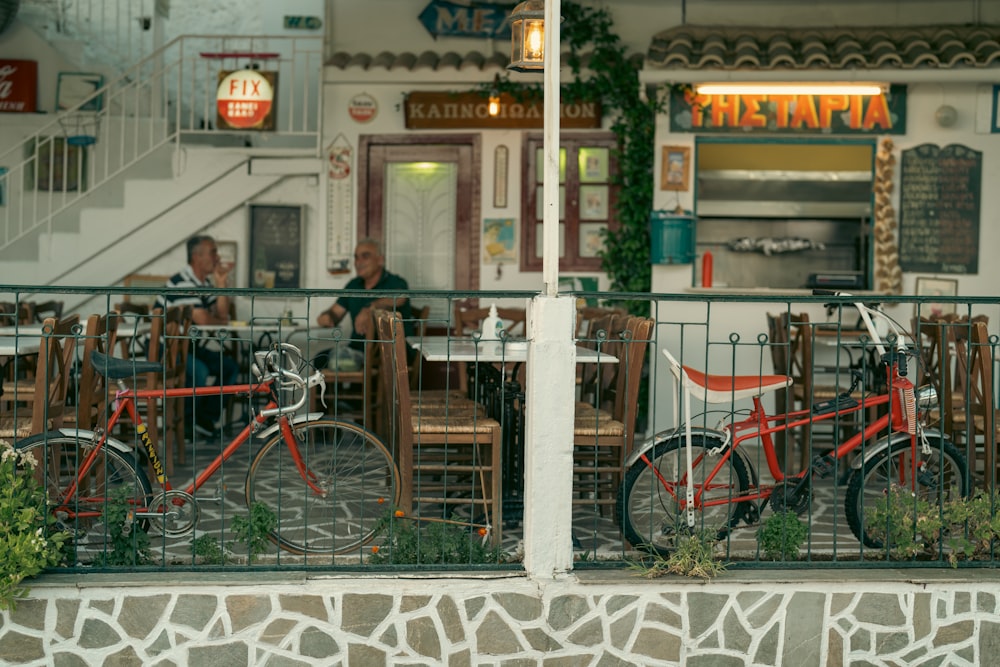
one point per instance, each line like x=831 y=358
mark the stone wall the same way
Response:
x=828 y=617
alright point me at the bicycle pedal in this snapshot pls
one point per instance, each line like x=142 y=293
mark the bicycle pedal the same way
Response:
x=822 y=466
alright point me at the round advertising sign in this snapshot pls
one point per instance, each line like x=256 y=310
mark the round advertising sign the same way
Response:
x=362 y=108
x=244 y=98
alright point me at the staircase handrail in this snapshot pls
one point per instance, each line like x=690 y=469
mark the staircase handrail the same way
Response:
x=94 y=100
x=153 y=103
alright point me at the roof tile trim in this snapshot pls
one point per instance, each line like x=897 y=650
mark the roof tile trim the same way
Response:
x=930 y=47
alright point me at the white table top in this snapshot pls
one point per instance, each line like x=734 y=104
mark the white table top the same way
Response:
x=11 y=346
x=21 y=330
x=445 y=348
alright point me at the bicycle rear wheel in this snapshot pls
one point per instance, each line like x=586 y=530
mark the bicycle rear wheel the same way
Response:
x=650 y=509
x=115 y=477
x=358 y=480
x=941 y=476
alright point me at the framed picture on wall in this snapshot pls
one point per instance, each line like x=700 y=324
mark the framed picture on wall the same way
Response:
x=675 y=168
x=276 y=250
x=74 y=88
x=934 y=287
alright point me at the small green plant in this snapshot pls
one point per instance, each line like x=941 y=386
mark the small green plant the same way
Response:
x=909 y=526
x=431 y=541
x=129 y=543
x=782 y=536
x=254 y=531
x=693 y=557
x=973 y=526
x=29 y=541
x=209 y=550
x=905 y=524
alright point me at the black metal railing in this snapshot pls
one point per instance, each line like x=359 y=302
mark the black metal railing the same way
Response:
x=879 y=503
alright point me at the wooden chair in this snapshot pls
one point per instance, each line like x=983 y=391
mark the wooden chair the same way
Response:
x=42 y=406
x=169 y=345
x=968 y=409
x=601 y=440
x=420 y=315
x=91 y=391
x=812 y=384
x=597 y=381
x=46 y=309
x=444 y=461
x=944 y=365
x=981 y=416
x=779 y=344
x=21 y=312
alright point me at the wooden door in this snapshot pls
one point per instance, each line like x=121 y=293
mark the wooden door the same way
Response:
x=418 y=195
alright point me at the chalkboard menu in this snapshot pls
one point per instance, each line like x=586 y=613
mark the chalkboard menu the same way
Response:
x=275 y=246
x=939 y=209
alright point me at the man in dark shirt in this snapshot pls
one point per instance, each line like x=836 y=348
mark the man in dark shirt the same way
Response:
x=369 y=263
x=203 y=270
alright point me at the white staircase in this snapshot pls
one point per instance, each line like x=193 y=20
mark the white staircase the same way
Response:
x=156 y=162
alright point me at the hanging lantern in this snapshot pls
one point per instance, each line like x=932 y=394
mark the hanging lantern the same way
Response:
x=493 y=107
x=527 y=37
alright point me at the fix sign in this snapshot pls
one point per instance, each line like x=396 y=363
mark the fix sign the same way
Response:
x=244 y=98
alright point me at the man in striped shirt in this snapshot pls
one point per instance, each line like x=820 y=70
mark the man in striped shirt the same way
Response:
x=203 y=270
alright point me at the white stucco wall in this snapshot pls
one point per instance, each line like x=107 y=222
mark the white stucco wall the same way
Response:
x=376 y=25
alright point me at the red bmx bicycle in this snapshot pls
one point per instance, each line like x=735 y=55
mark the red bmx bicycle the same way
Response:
x=697 y=477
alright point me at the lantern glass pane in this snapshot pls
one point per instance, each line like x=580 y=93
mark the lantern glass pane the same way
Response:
x=534 y=40
x=516 y=40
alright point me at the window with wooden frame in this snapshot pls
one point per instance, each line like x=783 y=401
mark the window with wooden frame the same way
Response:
x=587 y=199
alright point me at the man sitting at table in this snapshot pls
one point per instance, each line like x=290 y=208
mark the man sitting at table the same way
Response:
x=203 y=270
x=369 y=263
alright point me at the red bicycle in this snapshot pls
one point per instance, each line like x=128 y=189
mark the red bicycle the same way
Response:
x=327 y=482
x=694 y=476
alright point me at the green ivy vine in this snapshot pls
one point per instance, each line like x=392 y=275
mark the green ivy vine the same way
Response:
x=613 y=81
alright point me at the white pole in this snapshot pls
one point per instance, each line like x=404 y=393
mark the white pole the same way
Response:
x=550 y=174
x=550 y=388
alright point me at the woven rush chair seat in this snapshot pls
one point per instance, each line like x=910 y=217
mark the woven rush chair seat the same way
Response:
x=451 y=423
x=585 y=412
x=608 y=427
x=24 y=426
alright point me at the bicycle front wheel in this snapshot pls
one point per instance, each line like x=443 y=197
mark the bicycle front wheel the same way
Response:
x=649 y=502
x=941 y=476
x=355 y=480
x=114 y=479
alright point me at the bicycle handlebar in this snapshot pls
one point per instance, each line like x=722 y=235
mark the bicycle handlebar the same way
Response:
x=268 y=363
x=866 y=317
